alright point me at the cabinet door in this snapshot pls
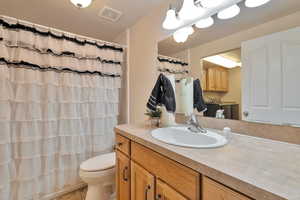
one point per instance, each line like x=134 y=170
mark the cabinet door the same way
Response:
x=218 y=81
x=211 y=79
x=165 y=192
x=224 y=80
x=203 y=80
x=142 y=183
x=123 y=176
x=215 y=191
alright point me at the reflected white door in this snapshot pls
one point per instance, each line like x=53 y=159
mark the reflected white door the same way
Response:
x=271 y=77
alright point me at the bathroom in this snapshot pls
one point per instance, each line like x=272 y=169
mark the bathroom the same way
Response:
x=77 y=77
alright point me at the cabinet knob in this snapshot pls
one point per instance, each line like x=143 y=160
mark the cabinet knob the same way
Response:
x=120 y=144
x=158 y=197
x=246 y=113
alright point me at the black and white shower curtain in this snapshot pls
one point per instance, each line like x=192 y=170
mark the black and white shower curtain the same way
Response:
x=59 y=96
x=168 y=65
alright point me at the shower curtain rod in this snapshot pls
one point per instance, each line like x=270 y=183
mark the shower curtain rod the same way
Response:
x=63 y=32
x=172 y=58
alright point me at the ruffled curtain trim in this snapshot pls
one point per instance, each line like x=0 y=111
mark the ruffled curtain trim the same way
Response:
x=15 y=25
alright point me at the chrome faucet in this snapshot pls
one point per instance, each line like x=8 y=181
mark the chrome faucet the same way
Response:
x=195 y=126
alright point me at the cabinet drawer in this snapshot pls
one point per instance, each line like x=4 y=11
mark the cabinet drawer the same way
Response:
x=185 y=180
x=123 y=144
x=215 y=191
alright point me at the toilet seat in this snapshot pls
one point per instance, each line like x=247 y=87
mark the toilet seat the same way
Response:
x=99 y=163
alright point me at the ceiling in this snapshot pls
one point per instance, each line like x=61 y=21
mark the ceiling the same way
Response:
x=61 y=14
x=246 y=19
x=234 y=55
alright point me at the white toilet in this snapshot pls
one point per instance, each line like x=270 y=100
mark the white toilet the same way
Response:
x=99 y=173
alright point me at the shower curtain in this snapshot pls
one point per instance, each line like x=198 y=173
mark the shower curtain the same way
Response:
x=168 y=65
x=59 y=96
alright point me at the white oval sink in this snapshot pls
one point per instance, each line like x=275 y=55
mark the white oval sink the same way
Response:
x=181 y=136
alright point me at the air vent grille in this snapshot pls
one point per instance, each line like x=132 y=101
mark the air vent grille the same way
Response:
x=110 y=14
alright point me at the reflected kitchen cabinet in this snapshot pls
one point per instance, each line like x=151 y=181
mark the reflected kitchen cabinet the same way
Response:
x=216 y=79
x=204 y=80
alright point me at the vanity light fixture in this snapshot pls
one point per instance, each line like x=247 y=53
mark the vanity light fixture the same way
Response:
x=210 y=3
x=205 y=23
x=230 y=12
x=171 y=20
x=200 y=12
x=255 y=3
x=81 y=3
x=220 y=60
x=189 y=10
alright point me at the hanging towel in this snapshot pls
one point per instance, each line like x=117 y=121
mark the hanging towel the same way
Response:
x=162 y=94
x=199 y=103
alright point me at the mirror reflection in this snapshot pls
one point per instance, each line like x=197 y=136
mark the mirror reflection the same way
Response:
x=253 y=82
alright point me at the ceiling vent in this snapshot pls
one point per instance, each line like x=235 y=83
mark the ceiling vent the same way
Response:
x=110 y=14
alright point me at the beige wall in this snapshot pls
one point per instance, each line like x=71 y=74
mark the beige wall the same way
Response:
x=123 y=39
x=144 y=36
x=234 y=87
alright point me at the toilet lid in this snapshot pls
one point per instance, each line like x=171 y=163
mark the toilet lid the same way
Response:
x=99 y=163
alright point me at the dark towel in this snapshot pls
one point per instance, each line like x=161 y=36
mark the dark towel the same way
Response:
x=162 y=94
x=199 y=103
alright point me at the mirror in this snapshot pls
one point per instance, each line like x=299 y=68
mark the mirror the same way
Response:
x=251 y=79
x=220 y=77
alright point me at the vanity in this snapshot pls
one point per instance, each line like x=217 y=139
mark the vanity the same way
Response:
x=245 y=169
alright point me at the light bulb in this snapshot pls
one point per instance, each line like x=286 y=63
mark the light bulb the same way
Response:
x=255 y=3
x=205 y=23
x=230 y=12
x=189 y=11
x=171 y=21
x=180 y=37
x=211 y=3
x=182 y=34
x=81 y=3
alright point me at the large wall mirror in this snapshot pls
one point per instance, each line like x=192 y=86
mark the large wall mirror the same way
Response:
x=255 y=81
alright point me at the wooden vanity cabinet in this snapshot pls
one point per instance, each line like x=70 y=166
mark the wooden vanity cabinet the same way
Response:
x=165 y=192
x=143 y=174
x=212 y=190
x=142 y=183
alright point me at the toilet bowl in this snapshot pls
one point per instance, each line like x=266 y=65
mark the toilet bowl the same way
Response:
x=99 y=173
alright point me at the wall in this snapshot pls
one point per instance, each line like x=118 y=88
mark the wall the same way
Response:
x=234 y=88
x=142 y=69
x=123 y=39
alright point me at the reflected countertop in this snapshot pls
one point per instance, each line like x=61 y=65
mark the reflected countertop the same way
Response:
x=260 y=168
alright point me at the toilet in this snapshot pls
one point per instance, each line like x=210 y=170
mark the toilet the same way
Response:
x=99 y=173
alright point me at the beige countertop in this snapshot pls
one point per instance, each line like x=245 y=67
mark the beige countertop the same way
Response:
x=259 y=168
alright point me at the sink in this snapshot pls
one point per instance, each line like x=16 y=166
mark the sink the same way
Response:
x=182 y=136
